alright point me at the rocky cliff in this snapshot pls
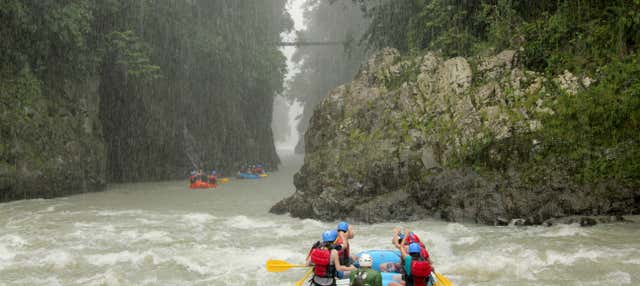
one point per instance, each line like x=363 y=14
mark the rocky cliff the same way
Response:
x=51 y=138
x=425 y=136
x=121 y=91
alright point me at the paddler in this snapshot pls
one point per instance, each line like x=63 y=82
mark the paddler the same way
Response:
x=213 y=177
x=416 y=267
x=325 y=260
x=345 y=233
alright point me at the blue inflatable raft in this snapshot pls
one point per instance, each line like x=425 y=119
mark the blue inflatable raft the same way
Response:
x=247 y=176
x=379 y=257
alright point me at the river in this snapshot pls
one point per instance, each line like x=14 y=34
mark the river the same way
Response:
x=163 y=233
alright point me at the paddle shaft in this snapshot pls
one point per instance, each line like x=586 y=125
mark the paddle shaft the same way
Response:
x=280 y=265
x=304 y=278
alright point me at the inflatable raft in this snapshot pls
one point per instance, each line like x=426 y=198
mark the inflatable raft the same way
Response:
x=379 y=257
x=201 y=185
x=223 y=180
x=248 y=176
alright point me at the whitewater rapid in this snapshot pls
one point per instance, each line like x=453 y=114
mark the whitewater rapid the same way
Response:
x=166 y=234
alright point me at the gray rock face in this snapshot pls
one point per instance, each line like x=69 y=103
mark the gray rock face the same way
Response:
x=401 y=141
x=56 y=156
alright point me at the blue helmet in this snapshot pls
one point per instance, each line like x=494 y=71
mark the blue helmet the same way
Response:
x=343 y=226
x=329 y=235
x=401 y=236
x=414 y=248
x=213 y=172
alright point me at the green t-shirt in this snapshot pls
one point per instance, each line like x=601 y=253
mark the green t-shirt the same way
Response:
x=369 y=276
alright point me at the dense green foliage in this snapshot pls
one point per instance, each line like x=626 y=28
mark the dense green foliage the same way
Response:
x=560 y=34
x=130 y=90
x=595 y=133
x=49 y=138
x=599 y=129
x=323 y=68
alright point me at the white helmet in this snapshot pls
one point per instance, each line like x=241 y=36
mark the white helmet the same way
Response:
x=365 y=260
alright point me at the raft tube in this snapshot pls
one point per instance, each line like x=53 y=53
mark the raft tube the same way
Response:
x=379 y=257
x=384 y=256
x=248 y=176
x=223 y=180
x=201 y=185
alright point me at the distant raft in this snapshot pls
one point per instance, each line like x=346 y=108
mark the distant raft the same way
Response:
x=201 y=185
x=248 y=176
x=223 y=180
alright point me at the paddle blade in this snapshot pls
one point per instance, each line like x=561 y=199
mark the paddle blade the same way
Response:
x=442 y=281
x=280 y=265
x=304 y=278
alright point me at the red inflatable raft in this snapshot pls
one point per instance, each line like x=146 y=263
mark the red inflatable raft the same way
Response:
x=201 y=185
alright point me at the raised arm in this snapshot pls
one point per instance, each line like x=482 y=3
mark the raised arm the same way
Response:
x=403 y=249
x=396 y=236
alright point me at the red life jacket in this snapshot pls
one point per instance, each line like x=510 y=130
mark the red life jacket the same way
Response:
x=321 y=258
x=414 y=238
x=423 y=251
x=420 y=271
x=343 y=253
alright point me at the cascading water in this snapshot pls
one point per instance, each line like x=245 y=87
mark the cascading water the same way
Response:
x=294 y=108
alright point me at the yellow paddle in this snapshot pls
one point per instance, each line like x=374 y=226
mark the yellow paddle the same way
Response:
x=442 y=281
x=304 y=278
x=280 y=265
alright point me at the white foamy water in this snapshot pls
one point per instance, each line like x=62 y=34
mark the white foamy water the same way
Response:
x=165 y=234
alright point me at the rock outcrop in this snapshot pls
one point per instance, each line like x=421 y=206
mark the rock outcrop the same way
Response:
x=406 y=138
x=51 y=153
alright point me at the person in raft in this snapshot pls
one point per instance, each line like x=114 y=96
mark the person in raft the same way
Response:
x=397 y=239
x=201 y=176
x=345 y=234
x=417 y=269
x=325 y=260
x=365 y=276
x=193 y=176
x=213 y=177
